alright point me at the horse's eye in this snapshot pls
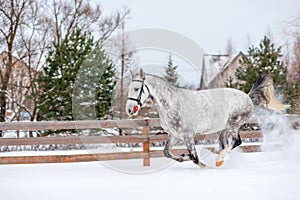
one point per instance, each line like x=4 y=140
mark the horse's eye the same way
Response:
x=136 y=89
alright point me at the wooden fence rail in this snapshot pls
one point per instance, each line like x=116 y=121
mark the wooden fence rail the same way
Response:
x=95 y=124
x=146 y=154
x=84 y=124
x=145 y=139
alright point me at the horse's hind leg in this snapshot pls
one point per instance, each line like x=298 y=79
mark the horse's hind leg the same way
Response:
x=234 y=122
x=236 y=141
x=224 y=147
x=170 y=143
x=223 y=139
x=222 y=154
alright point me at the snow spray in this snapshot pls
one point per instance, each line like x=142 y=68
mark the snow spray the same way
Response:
x=279 y=135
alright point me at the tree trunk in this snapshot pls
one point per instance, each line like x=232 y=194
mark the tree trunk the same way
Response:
x=122 y=105
x=2 y=109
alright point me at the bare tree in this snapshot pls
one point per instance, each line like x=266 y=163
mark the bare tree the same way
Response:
x=65 y=15
x=13 y=15
x=229 y=49
x=122 y=52
x=248 y=41
x=294 y=69
x=24 y=38
x=27 y=31
x=292 y=32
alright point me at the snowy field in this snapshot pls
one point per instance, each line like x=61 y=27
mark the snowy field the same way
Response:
x=265 y=175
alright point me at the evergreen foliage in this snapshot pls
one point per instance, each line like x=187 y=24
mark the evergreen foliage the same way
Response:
x=104 y=92
x=230 y=83
x=264 y=59
x=76 y=80
x=171 y=74
x=94 y=87
x=292 y=95
x=58 y=76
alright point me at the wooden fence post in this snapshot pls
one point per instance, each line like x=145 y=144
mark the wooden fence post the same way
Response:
x=146 y=145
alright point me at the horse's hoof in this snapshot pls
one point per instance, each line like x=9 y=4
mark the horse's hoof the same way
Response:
x=219 y=163
x=179 y=159
x=202 y=165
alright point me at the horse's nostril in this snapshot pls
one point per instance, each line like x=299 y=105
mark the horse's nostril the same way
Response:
x=129 y=111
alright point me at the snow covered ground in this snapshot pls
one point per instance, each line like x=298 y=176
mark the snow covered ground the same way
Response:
x=265 y=175
x=272 y=174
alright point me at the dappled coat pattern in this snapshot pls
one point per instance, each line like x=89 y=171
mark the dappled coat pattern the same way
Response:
x=184 y=113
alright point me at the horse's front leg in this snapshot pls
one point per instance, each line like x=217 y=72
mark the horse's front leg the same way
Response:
x=190 y=144
x=170 y=143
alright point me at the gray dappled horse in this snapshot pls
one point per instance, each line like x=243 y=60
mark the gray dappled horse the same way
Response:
x=184 y=113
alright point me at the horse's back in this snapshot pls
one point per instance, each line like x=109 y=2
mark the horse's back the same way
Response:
x=225 y=96
x=224 y=93
x=215 y=107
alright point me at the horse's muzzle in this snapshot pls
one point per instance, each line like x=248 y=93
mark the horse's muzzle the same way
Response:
x=133 y=111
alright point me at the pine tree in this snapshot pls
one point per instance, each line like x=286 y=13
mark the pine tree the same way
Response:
x=230 y=83
x=171 y=74
x=94 y=87
x=292 y=95
x=58 y=76
x=105 y=88
x=264 y=59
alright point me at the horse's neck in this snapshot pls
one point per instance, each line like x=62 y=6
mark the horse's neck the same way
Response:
x=160 y=89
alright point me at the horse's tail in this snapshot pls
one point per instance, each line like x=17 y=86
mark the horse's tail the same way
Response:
x=262 y=93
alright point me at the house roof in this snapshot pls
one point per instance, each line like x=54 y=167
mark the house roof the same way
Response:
x=225 y=67
x=234 y=59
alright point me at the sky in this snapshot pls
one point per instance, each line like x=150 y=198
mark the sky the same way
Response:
x=211 y=23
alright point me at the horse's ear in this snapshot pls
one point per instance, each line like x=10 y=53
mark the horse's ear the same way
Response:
x=142 y=74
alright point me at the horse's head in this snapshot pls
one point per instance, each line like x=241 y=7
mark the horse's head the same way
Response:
x=138 y=94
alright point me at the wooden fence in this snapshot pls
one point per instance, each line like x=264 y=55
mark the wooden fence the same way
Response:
x=145 y=139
